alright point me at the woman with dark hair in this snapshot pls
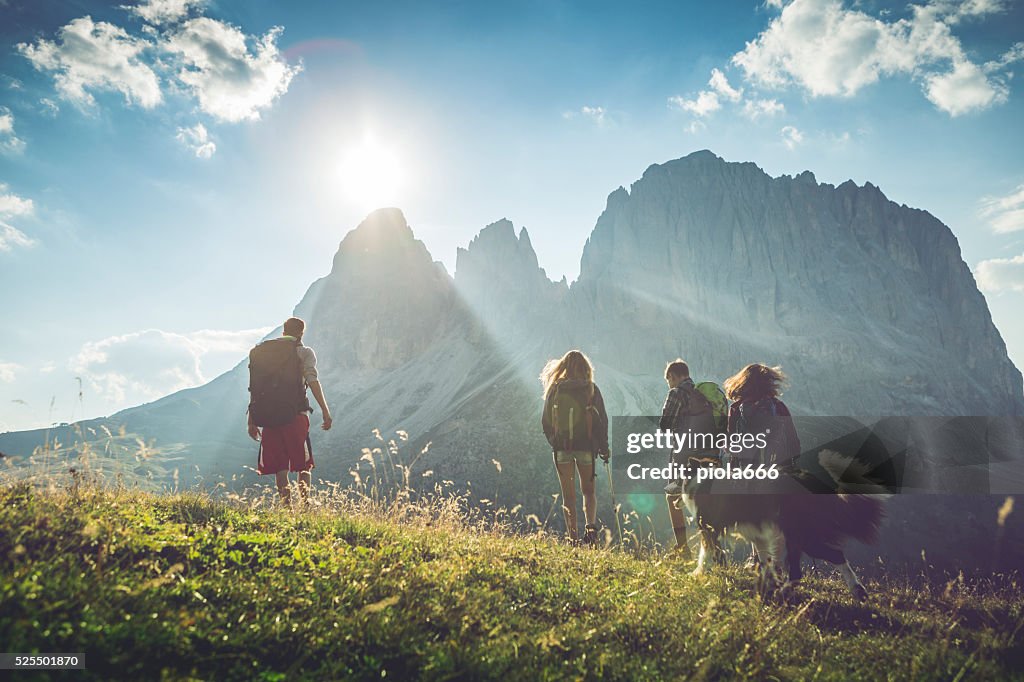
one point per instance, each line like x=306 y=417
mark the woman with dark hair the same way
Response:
x=756 y=408
x=576 y=425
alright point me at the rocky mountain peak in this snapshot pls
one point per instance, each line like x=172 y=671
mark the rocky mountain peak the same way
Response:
x=495 y=252
x=382 y=237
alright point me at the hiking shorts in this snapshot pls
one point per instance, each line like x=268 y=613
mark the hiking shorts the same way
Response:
x=577 y=456
x=286 y=448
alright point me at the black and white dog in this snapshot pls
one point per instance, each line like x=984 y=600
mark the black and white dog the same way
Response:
x=789 y=521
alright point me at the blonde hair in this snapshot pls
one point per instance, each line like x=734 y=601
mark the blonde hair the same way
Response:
x=755 y=381
x=572 y=365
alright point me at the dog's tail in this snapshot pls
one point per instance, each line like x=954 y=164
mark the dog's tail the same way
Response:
x=859 y=516
x=850 y=474
x=859 y=510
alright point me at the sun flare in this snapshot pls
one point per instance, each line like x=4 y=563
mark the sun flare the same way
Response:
x=371 y=174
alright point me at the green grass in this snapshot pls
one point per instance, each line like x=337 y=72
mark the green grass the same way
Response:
x=180 y=586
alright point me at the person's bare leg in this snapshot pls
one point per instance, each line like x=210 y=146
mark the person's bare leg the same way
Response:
x=567 y=482
x=675 y=513
x=282 y=487
x=304 y=485
x=589 y=490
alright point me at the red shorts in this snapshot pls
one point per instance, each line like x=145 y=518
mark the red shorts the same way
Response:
x=286 y=448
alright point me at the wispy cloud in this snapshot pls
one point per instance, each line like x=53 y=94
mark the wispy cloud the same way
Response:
x=1006 y=213
x=198 y=140
x=1001 y=274
x=13 y=206
x=9 y=142
x=596 y=114
x=827 y=49
x=148 y=364
x=708 y=101
x=759 y=108
x=792 y=137
x=8 y=371
x=49 y=107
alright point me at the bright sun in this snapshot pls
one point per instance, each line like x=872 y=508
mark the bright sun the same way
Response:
x=371 y=174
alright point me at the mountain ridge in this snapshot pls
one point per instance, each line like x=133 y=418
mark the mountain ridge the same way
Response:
x=866 y=304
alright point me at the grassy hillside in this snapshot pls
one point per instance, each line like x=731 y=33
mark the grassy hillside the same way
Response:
x=180 y=586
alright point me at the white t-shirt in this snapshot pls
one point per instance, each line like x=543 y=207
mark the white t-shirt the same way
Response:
x=308 y=358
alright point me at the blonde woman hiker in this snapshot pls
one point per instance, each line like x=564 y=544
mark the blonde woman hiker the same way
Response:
x=576 y=425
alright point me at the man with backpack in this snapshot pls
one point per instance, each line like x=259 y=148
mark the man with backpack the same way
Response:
x=279 y=371
x=697 y=408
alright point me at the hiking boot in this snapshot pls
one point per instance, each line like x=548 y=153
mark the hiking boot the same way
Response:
x=674 y=488
x=590 y=536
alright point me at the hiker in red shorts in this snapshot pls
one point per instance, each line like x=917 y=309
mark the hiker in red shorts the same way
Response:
x=279 y=371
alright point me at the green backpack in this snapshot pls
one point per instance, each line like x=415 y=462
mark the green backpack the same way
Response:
x=719 y=405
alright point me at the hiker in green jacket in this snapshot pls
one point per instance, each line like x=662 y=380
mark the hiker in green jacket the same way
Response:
x=687 y=409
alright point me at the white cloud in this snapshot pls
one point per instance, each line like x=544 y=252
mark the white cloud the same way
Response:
x=148 y=364
x=596 y=114
x=160 y=12
x=11 y=237
x=13 y=206
x=96 y=56
x=720 y=85
x=9 y=142
x=792 y=137
x=695 y=127
x=708 y=101
x=50 y=107
x=828 y=50
x=8 y=370
x=966 y=88
x=1001 y=274
x=962 y=9
x=705 y=103
x=757 y=108
x=231 y=82
x=1014 y=54
x=1005 y=214
x=234 y=76
x=198 y=140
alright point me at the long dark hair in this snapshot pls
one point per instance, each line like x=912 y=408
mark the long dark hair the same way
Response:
x=753 y=382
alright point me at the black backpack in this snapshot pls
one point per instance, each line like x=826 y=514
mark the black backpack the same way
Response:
x=572 y=414
x=277 y=391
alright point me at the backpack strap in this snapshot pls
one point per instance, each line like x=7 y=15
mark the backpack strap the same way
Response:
x=554 y=411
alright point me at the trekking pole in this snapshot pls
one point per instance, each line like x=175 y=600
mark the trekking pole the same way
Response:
x=611 y=490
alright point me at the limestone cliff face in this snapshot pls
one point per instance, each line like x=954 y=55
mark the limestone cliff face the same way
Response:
x=499 y=276
x=384 y=302
x=867 y=304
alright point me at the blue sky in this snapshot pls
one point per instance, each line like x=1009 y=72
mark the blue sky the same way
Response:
x=174 y=174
